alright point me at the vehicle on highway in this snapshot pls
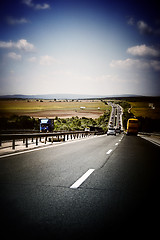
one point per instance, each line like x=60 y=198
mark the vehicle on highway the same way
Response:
x=46 y=125
x=111 y=131
x=132 y=126
x=118 y=130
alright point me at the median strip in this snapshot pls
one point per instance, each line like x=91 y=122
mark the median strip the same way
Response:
x=82 y=179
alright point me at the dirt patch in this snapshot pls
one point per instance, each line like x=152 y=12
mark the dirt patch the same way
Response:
x=64 y=114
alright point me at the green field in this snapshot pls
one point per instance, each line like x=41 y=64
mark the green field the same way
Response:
x=41 y=108
x=145 y=109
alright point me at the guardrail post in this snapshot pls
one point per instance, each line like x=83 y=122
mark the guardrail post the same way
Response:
x=13 y=144
x=63 y=136
x=26 y=142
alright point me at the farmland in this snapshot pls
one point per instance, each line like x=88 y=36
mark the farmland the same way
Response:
x=52 y=108
x=145 y=109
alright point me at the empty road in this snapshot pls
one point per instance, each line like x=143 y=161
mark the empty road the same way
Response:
x=100 y=185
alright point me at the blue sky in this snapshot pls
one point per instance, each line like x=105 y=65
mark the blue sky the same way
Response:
x=79 y=46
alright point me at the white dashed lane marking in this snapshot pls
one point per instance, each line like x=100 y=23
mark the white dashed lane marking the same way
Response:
x=109 y=151
x=82 y=179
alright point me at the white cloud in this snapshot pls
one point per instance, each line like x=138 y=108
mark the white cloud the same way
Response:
x=15 y=21
x=30 y=3
x=22 y=44
x=143 y=51
x=47 y=60
x=131 y=21
x=144 y=28
x=42 y=6
x=32 y=59
x=155 y=65
x=6 y=44
x=129 y=63
x=14 y=56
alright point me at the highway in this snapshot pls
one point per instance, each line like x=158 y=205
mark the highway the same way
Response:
x=116 y=116
x=81 y=189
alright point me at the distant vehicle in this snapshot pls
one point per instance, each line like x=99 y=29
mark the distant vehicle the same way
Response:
x=118 y=130
x=111 y=131
x=46 y=125
x=132 y=126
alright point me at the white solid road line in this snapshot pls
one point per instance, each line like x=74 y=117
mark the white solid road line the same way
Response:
x=151 y=140
x=26 y=151
x=116 y=144
x=82 y=179
x=109 y=151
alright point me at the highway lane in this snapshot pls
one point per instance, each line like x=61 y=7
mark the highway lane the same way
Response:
x=119 y=117
x=61 y=164
x=121 y=195
x=116 y=116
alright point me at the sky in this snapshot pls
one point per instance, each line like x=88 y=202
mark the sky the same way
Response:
x=96 y=47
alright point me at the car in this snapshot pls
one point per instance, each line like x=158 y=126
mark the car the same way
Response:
x=111 y=131
x=118 y=130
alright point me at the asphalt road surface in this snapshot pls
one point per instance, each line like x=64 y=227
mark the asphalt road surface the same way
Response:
x=116 y=116
x=103 y=186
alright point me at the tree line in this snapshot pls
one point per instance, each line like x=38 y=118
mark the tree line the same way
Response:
x=16 y=122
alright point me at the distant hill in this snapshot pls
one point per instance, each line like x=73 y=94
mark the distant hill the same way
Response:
x=64 y=96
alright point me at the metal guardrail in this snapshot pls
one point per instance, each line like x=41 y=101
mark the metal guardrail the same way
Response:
x=63 y=135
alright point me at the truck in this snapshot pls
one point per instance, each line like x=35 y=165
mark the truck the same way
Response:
x=132 y=126
x=46 y=125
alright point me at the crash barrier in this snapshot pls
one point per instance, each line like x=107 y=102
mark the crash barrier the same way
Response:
x=51 y=137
